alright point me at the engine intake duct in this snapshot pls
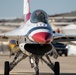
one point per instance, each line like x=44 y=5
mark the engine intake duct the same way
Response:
x=37 y=48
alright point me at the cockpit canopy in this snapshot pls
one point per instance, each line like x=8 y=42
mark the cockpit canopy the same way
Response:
x=39 y=16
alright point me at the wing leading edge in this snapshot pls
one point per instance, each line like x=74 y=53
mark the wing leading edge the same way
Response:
x=64 y=37
x=17 y=33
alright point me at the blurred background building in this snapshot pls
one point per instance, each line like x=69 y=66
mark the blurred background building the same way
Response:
x=62 y=20
x=57 y=21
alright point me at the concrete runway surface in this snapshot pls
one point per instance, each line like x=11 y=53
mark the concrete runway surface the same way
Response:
x=67 y=66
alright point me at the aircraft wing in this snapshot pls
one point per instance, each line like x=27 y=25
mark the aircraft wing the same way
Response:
x=14 y=34
x=64 y=37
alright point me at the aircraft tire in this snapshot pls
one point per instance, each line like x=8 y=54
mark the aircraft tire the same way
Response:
x=57 y=68
x=6 y=68
x=37 y=71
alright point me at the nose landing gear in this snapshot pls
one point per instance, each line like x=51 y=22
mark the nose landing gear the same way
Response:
x=55 y=67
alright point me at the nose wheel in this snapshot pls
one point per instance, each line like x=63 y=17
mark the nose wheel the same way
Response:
x=6 y=68
x=36 y=65
x=36 y=71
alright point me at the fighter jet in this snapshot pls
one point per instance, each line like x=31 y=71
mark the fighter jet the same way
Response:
x=34 y=40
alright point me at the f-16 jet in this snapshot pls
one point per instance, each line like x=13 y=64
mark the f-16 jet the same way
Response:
x=34 y=40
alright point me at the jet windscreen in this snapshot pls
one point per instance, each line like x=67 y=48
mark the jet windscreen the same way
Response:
x=39 y=16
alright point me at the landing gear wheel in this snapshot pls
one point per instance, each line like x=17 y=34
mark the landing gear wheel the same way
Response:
x=6 y=68
x=57 y=68
x=37 y=71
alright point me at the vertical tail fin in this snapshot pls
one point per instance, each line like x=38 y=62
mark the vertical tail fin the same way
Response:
x=26 y=10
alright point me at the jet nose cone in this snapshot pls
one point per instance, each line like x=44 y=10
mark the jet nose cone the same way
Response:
x=42 y=37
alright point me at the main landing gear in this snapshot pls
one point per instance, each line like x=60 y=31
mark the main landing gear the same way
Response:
x=9 y=66
x=6 y=68
x=56 y=68
x=34 y=61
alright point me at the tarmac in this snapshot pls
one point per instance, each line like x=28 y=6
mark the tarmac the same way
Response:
x=67 y=66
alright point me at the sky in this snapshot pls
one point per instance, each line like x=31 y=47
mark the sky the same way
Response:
x=14 y=8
